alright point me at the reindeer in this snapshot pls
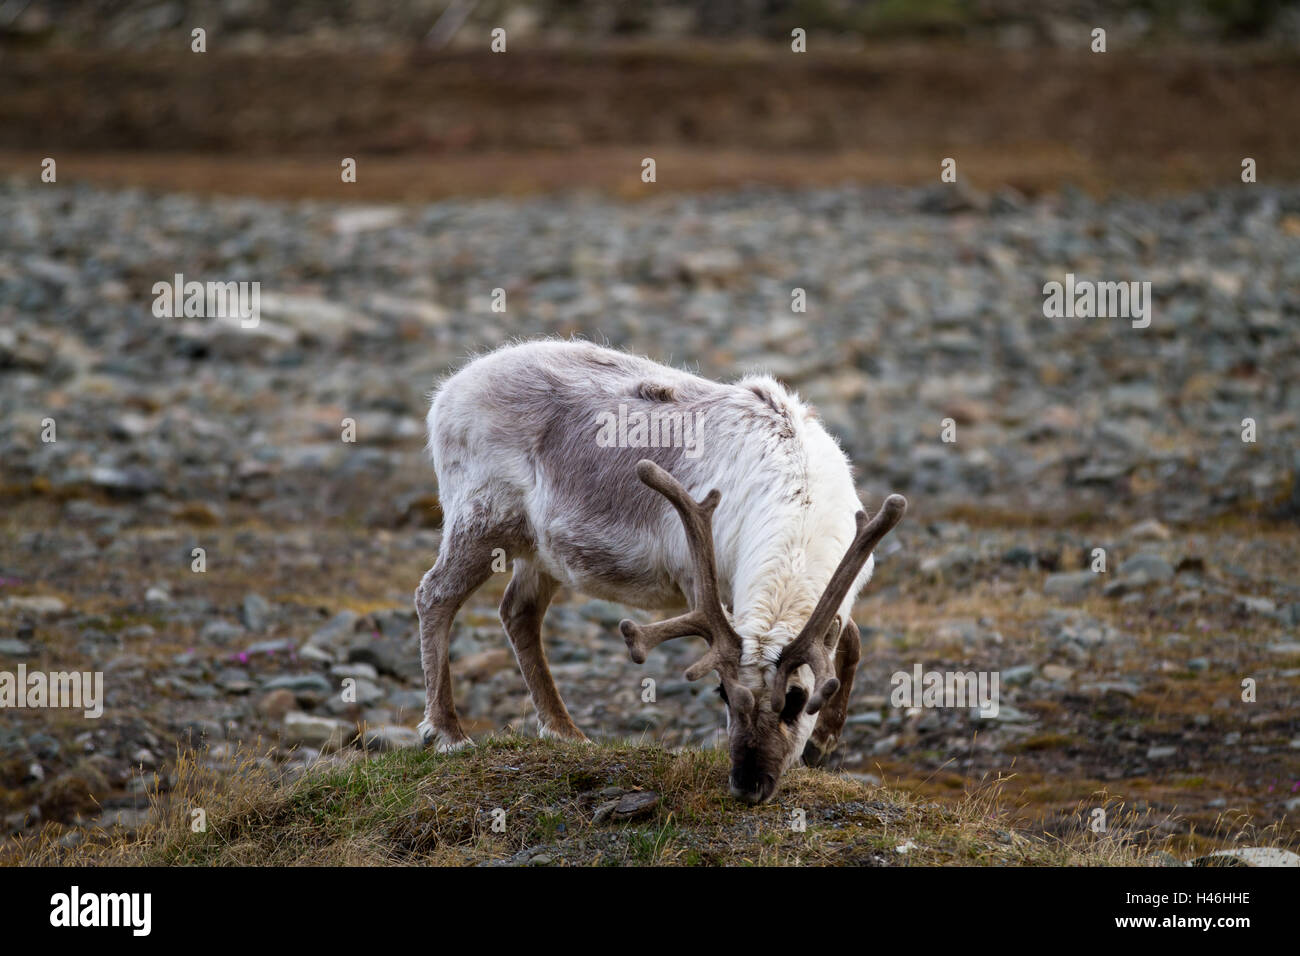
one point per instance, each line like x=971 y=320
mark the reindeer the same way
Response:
x=766 y=564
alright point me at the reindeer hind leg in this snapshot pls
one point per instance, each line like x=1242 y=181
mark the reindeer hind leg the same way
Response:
x=464 y=563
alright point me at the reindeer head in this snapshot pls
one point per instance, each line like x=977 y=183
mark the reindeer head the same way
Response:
x=771 y=711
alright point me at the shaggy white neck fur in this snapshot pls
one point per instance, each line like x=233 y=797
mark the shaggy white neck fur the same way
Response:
x=792 y=536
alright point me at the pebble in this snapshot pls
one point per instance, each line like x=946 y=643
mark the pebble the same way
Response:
x=1070 y=585
x=634 y=805
x=338 y=631
x=1016 y=676
x=1257 y=605
x=321 y=733
x=1250 y=856
x=254 y=612
x=39 y=606
x=300 y=683
x=1149 y=530
x=1146 y=569
x=276 y=704
x=220 y=633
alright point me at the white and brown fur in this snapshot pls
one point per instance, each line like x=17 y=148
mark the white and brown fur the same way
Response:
x=513 y=441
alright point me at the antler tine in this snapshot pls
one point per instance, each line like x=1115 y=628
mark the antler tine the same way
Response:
x=810 y=647
x=706 y=618
x=641 y=639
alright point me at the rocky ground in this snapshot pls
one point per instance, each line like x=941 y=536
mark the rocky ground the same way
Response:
x=1122 y=688
x=257 y=25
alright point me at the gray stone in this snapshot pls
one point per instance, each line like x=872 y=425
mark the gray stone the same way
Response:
x=638 y=803
x=1016 y=676
x=358 y=670
x=283 y=646
x=1070 y=585
x=234 y=680
x=337 y=632
x=1149 y=530
x=254 y=612
x=306 y=687
x=322 y=733
x=1250 y=856
x=366 y=692
x=1257 y=605
x=1006 y=715
x=397 y=622
x=1146 y=569
x=220 y=633
x=37 y=605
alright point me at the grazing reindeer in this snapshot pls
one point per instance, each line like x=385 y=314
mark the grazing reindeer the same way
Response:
x=537 y=449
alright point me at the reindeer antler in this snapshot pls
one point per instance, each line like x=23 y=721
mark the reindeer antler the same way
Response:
x=706 y=617
x=816 y=641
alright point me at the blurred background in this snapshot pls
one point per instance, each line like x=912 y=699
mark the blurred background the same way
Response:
x=774 y=171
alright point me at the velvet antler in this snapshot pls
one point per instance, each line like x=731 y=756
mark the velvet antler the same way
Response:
x=706 y=617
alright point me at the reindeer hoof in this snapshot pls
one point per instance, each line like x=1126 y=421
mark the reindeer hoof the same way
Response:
x=631 y=633
x=430 y=736
x=561 y=732
x=427 y=734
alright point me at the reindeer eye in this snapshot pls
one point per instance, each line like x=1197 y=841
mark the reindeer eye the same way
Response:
x=796 y=698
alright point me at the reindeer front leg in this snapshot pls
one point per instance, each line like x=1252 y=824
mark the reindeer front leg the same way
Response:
x=830 y=721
